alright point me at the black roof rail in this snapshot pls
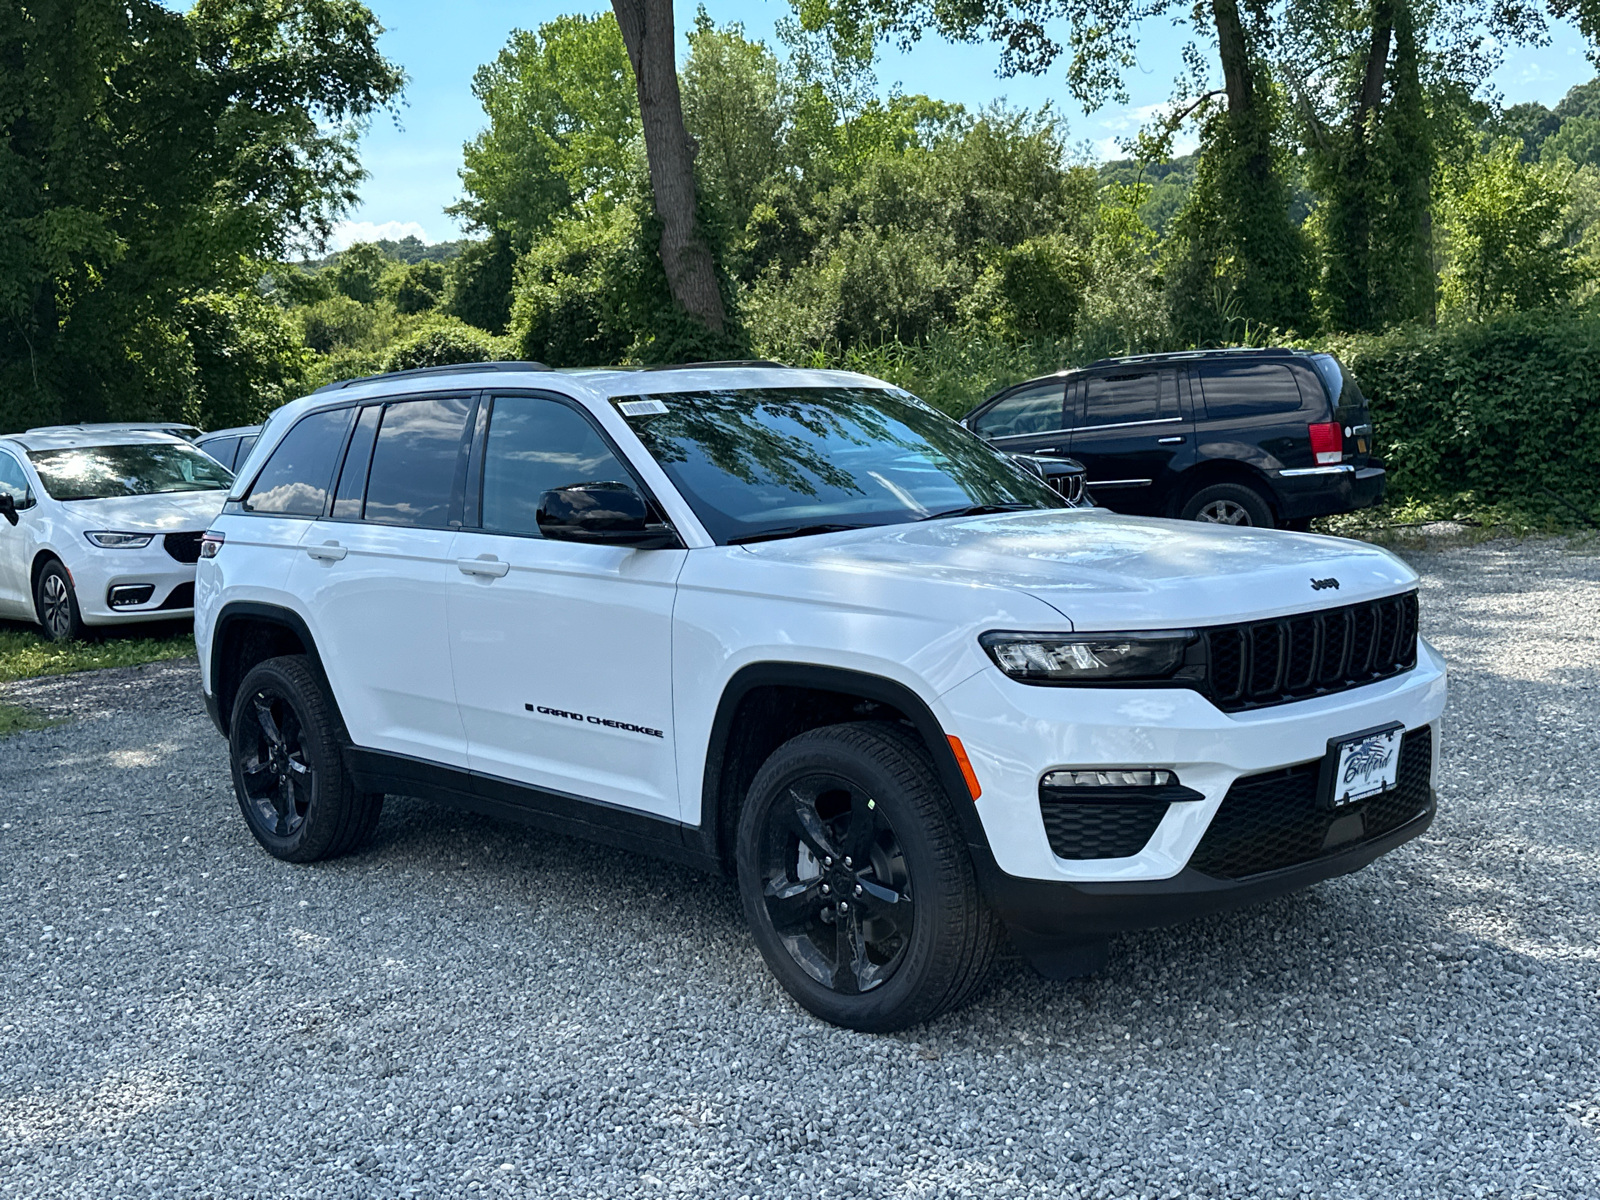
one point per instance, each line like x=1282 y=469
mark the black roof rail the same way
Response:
x=423 y=372
x=730 y=362
x=1181 y=355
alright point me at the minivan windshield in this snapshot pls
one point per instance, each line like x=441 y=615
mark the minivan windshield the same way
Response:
x=141 y=469
x=759 y=463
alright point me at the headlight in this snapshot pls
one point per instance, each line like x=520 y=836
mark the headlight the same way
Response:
x=119 y=541
x=1090 y=657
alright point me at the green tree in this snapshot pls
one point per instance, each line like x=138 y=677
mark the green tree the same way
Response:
x=563 y=125
x=1506 y=226
x=359 y=272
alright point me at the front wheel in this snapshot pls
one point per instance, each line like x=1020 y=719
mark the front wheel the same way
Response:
x=288 y=766
x=1229 y=504
x=56 y=603
x=856 y=883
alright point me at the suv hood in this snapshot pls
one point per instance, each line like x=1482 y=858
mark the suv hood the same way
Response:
x=164 y=512
x=1102 y=570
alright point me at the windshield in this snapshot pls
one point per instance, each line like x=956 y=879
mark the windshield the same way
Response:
x=765 y=461
x=143 y=469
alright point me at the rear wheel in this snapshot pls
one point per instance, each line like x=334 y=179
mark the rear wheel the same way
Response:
x=857 y=886
x=1229 y=504
x=56 y=602
x=288 y=768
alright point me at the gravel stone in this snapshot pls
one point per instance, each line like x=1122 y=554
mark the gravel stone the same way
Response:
x=469 y=1008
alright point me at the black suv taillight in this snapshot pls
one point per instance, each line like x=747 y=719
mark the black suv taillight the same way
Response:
x=1327 y=443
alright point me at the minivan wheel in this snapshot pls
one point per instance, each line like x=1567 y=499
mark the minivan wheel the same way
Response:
x=56 y=603
x=288 y=769
x=855 y=881
x=1229 y=504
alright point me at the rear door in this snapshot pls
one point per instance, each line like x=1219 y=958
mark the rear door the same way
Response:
x=562 y=651
x=1255 y=413
x=1030 y=419
x=1133 y=434
x=373 y=569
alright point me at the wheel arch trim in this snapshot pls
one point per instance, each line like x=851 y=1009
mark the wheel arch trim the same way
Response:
x=219 y=700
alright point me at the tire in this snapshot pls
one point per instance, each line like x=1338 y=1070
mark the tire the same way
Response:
x=1229 y=504
x=820 y=801
x=55 y=601
x=285 y=747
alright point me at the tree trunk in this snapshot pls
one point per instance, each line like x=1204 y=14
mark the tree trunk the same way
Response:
x=1237 y=77
x=647 y=32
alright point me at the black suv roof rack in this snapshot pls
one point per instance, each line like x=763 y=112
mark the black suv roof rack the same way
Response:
x=728 y=362
x=423 y=372
x=1179 y=355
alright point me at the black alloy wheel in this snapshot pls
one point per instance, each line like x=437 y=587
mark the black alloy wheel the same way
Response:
x=56 y=602
x=835 y=884
x=286 y=744
x=277 y=779
x=856 y=883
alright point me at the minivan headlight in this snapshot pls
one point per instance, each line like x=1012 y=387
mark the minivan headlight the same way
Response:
x=108 y=540
x=1088 y=657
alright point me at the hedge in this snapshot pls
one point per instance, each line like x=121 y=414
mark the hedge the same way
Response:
x=1501 y=408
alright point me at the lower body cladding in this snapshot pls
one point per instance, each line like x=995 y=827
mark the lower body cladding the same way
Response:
x=1247 y=811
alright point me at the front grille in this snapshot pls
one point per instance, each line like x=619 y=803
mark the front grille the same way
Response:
x=185 y=547
x=181 y=596
x=1087 y=830
x=1276 y=819
x=1292 y=658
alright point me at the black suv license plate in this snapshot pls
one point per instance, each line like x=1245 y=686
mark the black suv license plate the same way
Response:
x=1362 y=765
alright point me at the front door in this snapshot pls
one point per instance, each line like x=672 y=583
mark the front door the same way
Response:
x=1028 y=419
x=372 y=572
x=1132 y=434
x=15 y=597
x=562 y=652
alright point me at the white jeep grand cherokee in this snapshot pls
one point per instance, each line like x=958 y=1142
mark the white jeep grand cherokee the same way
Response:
x=798 y=626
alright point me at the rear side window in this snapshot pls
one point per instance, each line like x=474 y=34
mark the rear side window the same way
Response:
x=295 y=480
x=419 y=452
x=1248 y=390
x=1118 y=399
x=246 y=444
x=1037 y=408
x=535 y=445
x=223 y=450
x=352 y=487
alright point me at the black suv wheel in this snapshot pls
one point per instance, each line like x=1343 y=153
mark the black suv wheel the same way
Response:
x=288 y=771
x=1229 y=504
x=855 y=881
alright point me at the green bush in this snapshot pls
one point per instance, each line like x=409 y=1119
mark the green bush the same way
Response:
x=445 y=343
x=1500 y=409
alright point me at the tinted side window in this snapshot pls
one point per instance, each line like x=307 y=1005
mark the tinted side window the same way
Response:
x=13 y=481
x=223 y=450
x=414 y=464
x=1115 y=399
x=1248 y=390
x=352 y=487
x=535 y=445
x=246 y=444
x=1032 y=410
x=295 y=480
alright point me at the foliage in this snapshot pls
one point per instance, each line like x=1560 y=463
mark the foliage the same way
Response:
x=14 y=718
x=359 y=273
x=478 y=283
x=1504 y=407
x=416 y=288
x=563 y=126
x=443 y=342
x=1506 y=224
x=25 y=654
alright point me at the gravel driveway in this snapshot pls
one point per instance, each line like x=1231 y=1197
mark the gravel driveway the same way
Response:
x=470 y=1007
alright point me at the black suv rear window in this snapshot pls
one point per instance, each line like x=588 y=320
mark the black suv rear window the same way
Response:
x=1248 y=390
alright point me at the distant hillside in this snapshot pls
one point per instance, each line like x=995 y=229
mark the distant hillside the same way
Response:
x=1169 y=185
x=406 y=250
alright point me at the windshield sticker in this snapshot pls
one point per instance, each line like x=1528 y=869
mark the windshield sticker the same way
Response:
x=641 y=408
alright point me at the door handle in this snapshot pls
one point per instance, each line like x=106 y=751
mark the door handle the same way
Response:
x=1169 y=441
x=327 y=552
x=490 y=567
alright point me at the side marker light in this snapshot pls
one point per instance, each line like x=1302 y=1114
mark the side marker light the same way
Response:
x=965 y=764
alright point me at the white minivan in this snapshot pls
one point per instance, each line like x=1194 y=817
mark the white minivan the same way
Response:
x=103 y=527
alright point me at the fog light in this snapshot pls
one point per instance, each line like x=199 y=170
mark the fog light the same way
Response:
x=128 y=595
x=1118 y=778
x=1115 y=785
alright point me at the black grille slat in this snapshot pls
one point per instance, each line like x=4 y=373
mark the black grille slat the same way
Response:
x=1274 y=820
x=1259 y=663
x=185 y=547
x=1080 y=830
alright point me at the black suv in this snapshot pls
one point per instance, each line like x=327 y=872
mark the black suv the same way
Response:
x=1268 y=437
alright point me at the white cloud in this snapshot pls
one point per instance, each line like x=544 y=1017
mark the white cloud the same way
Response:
x=348 y=233
x=1125 y=123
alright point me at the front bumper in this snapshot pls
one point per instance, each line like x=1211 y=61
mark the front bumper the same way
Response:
x=1323 y=491
x=96 y=571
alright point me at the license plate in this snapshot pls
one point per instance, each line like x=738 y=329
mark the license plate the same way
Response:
x=1364 y=765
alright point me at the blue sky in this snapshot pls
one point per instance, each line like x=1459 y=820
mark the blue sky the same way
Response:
x=413 y=168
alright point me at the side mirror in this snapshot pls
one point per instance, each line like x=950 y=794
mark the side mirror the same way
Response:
x=602 y=514
x=8 y=507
